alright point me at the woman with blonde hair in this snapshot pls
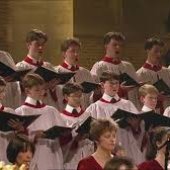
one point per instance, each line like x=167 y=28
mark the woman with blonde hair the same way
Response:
x=103 y=133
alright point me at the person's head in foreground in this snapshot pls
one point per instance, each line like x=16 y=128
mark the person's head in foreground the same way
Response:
x=20 y=151
x=119 y=163
x=156 y=144
x=103 y=133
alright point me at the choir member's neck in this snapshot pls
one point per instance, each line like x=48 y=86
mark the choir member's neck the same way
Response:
x=71 y=62
x=147 y=108
x=153 y=60
x=102 y=153
x=160 y=158
x=36 y=56
x=74 y=105
x=36 y=98
x=111 y=94
x=115 y=56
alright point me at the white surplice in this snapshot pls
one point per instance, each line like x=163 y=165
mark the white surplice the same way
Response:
x=31 y=64
x=81 y=75
x=85 y=146
x=150 y=76
x=167 y=111
x=5 y=136
x=124 y=67
x=48 y=154
x=103 y=109
x=12 y=97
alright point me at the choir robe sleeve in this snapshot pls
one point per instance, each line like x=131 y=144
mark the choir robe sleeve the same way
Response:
x=167 y=112
x=13 y=88
x=92 y=110
x=95 y=69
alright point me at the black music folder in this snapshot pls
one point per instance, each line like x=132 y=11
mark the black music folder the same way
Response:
x=56 y=131
x=89 y=86
x=15 y=75
x=5 y=117
x=129 y=81
x=84 y=128
x=162 y=87
x=150 y=118
x=49 y=74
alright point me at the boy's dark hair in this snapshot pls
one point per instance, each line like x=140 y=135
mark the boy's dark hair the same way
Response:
x=118 y=36
x=68 y=42
x=16 y=145
x=109 y=76
x=116 y=162
x=70 y=88
x=150 y=42
x=2 y=81
x=35 y=35
x=31 y=80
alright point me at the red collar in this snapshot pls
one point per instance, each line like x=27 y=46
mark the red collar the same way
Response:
x=30 y=61
x=2 y=108
x=153 y=68
x=65 y=112
x=72 y=68
x=112 y=101
x=110 y=60
x=35 y=106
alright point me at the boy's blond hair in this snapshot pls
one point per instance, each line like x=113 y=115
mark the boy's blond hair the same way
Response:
x=147 y=89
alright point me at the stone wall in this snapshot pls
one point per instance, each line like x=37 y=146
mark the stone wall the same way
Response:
x=87 y=19
x=55 y=17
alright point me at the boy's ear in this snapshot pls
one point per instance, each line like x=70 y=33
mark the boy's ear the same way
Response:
x=102 y=84
x=26 y=90
x=66 y=97
x=63 y=53
x=105 y=46
x=96 y=141
x=28 y=45
x=141 y=98
x=158 y=144
x=147 y=51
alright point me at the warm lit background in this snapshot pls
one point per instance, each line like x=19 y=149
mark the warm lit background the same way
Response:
x=87 y=19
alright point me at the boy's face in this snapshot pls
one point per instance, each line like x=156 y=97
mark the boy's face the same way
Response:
x=72 y=54
x=110 y=87
x=155 y=53
x=36 y=47
x=150 y=100
x=74 y=99
x=36 y=92
x=2 y=92
x=114 y=47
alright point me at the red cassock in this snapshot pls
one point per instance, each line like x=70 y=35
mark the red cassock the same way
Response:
x=89 y=163
x=150 y=165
